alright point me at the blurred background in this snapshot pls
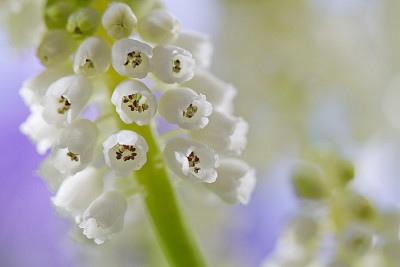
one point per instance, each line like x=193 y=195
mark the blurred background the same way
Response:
x=307 y=71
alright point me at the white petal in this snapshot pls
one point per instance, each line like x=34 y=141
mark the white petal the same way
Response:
x=185 y=107
x=225 y=133
x=179 y=153
x=92 y=56
x=173 y=64
x=75 y=89
x=136 y=148
x=199 y=45
x=77 y=192
x=131 y=58
x=51 y=174
x=118 y=20
x=236 y=181
x=141 y=111
x=39 y=131
x=104 y=217
x=218 y=93
x=158 y=27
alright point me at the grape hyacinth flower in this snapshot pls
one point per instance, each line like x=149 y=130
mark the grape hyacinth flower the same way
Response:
x=147 y=53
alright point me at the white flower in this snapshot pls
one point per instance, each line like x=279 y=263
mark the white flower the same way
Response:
x=76 y=146
x=65 y=98
x=131 y=58
x=51 y=174
x=173 y=64
x=77 y=192
x=92 y=56
x=357 y=239
x=39 y=131
x=158 y=27
x=219 y=93
x=35 y=88
x=199 y=45
x=134 y=102
x=185 y=107
x=225 y=133
x=191 y=160
x=83 y=21
x=236 y=181
x=55 y=47
x=104 y=217
x=125 y=151
x=118 y=20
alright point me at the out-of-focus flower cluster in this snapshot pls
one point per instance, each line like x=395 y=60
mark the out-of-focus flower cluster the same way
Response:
x=111 y=69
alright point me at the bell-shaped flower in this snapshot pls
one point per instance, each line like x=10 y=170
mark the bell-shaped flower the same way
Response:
x=158 y=27
x=134 y=102
x=185 y=107
x=191 y=160
x=236 y=181
x=65 y=99
x=55 y=47
x=92 y=57
x=118 y=20
x=50 y=174
x=39 y=131
x=131 y=58
x=76 y=146
x=225 y=133
x=199 y=45
x=219 y=93
x=56 y=14
x=357 y=239
x=104 y=217
x=35 y=88
x=83 y=21
x=77 y=192
x=125 y=151
x=173 y=64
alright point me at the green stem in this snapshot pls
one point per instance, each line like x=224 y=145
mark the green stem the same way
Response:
x=171 y=229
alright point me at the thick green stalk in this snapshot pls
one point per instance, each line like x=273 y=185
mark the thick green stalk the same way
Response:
x=172 y=231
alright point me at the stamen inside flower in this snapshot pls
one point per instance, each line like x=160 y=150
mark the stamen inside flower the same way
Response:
x=134 y=58
x=193 y=160
x=65 y=105
x=177 y=66
x=88 y=64
x=190 y=111
x=125 y=148
x=135 y=102
x=73 y=156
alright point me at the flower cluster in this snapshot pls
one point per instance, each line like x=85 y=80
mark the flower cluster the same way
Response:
x=140 y=61
x=336 y=226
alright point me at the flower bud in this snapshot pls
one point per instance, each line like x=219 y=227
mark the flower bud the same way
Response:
x=134 y=102
x=77 y=192
x=191 y=160
x=55 y=47
x=131 y=58
x=118 y=20
x=357 y=239
x=219 y=93
x=225 y=133
x=235 y=182
x=199 y=45
x=158 y=27
x=56 y=15
x=76 y=146
x=83 y=21
x=104 y=217
x=185 y=107
x=92 y=56
x=125 y=151
x=308 y=181
x=65 y=99
x=173 y=64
